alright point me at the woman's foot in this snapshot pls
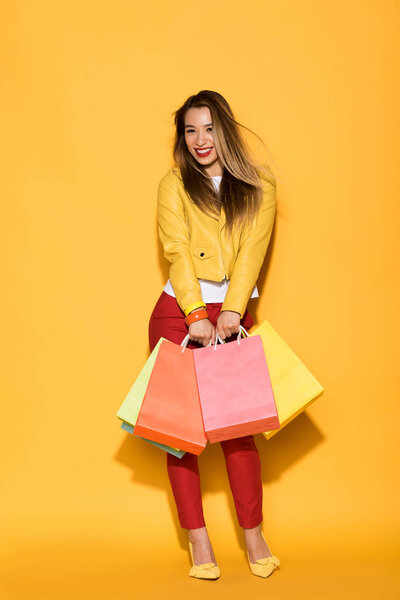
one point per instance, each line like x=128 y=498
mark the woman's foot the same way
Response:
x=257 y=547
x=202 y=549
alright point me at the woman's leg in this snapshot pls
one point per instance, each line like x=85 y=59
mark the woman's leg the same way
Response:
x=244 y=472
x=168 y=321
x=185 y=482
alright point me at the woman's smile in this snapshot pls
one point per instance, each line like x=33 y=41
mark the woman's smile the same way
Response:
x=203 y=151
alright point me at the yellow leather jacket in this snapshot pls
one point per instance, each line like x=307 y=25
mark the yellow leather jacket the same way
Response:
x=197 y=247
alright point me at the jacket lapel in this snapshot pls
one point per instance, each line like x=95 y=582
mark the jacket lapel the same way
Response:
x=221 y=219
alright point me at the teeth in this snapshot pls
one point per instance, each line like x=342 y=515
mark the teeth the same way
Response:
x=203 y=151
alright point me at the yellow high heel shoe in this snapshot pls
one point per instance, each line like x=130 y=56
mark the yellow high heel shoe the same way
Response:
x=205 y=570
x=263 y=567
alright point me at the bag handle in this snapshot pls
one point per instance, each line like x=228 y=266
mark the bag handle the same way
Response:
x=242 y=330
x=218 y=339
x=185 y=342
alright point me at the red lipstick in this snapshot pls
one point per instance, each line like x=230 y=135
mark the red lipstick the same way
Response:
x=202 y=153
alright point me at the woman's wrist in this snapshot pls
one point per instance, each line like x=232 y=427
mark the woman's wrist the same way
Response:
x=193 y=306
x=197 y=314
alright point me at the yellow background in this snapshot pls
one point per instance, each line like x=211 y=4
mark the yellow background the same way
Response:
x=87 y=95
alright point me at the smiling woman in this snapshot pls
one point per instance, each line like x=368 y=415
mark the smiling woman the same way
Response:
x=199 y=139
x=216 y=211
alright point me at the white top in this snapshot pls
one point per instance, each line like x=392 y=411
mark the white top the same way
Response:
x=211 y=291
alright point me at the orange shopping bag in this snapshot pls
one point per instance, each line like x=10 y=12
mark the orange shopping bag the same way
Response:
x=170 y=413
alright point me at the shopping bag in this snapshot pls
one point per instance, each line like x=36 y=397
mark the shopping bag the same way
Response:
x=235 y=390
x=293 y=385
x=170 y=413
x=174 y=451
x=130 y=407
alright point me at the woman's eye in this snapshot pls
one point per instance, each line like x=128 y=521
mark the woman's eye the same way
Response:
x=192 y=130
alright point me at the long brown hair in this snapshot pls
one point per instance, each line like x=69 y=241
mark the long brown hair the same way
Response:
x=241 y=187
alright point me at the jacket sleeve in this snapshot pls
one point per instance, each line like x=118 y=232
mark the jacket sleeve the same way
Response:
x=252 y=249
x=174 y=236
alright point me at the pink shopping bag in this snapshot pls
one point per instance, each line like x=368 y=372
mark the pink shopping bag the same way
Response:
x=235 y=389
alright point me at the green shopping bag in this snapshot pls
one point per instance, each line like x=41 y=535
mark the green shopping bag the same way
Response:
x=177 y=453
x=130 y=407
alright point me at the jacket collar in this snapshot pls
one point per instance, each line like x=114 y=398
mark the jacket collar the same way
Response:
x=177 y=172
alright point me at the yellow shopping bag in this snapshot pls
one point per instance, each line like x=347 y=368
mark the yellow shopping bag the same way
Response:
x=293 y=385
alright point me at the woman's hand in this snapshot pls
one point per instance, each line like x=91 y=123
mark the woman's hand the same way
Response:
x=202 y=332
x=228 y=323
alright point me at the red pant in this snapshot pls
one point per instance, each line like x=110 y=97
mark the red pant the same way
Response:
x=241 y=455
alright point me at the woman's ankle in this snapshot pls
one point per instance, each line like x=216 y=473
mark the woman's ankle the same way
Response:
x=200 y=533
x=202 y=548
x=256 y=543
x=250 y=530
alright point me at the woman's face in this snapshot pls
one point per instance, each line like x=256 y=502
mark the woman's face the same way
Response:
x=199 y=139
